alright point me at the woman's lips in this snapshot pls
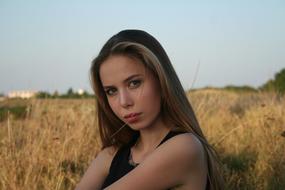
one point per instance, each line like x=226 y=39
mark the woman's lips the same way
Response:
x=132 y=118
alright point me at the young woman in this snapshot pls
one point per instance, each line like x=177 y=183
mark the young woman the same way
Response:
x=151 y=139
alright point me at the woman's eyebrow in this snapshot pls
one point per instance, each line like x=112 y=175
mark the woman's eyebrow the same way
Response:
x=126 y=80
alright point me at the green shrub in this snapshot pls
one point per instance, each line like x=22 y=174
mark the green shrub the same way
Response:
x=240 y=88
x=3 y=113
x=18 y=112
x=277 y=84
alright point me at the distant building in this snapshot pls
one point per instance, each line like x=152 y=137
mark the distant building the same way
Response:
x=22 y=94
x=80 y=91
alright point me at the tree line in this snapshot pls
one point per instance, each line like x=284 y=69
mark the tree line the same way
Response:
x=69 y=94
x=277 y=85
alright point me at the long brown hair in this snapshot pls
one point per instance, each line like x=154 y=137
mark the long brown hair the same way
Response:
x=175 y=107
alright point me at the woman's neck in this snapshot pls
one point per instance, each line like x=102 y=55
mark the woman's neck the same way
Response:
x=151 y=136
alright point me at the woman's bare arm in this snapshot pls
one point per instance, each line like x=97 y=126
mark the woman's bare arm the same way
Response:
x=98 y=170
x=178 y=161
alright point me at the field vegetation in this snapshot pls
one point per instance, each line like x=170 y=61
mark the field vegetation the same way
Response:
x=48 y=143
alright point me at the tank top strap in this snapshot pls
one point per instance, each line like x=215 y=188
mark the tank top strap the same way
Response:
x=169 y=135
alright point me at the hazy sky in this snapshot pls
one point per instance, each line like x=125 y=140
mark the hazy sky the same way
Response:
x=48 y=45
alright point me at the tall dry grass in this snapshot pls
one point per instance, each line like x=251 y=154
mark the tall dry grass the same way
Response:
x=51 y=148
x=54 y=144
x=247 y=131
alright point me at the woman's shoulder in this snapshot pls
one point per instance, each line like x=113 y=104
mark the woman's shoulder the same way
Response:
x=108 y=152
x=185 y=146
x=187 y=150
x=104 y=158
x=98 y=169
x=185 y=140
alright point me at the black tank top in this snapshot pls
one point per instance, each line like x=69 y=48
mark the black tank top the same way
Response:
x=120 y=165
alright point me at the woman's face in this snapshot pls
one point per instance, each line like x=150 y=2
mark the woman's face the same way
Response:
x=132 y=91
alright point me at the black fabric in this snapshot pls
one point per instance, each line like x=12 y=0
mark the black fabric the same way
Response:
x=120 y=164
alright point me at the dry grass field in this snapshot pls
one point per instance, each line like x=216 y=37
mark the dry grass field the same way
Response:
x=53 y=143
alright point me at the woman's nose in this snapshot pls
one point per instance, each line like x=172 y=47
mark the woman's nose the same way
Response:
x=125 y=98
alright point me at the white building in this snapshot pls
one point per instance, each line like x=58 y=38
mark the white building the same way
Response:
x=80 y=91
x=22 y=94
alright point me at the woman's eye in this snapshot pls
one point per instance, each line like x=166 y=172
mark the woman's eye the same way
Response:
x=134 y=83
x=110 y=92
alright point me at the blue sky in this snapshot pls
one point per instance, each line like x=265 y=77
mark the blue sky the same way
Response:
x=48 y=45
